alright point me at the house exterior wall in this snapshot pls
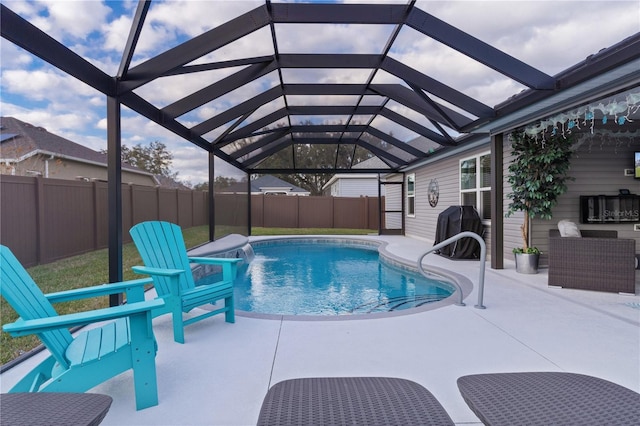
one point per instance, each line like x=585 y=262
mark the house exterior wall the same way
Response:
x=446 y=173
x=358 y=187
x=598 y=168
x=355 y=186
x=66 y=169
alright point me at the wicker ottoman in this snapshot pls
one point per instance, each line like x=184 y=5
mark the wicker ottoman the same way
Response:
x=53 y=409
x=351 y=401
x=547 y=398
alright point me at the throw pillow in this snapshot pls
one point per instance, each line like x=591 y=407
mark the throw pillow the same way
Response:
x=568 y=229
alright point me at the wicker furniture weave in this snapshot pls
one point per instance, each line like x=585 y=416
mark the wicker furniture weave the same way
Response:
x=597 y=261
x=548 y=398
x=351 y=401
x=53 y=409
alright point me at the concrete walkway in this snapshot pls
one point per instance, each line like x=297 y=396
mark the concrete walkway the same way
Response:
x=222 y=372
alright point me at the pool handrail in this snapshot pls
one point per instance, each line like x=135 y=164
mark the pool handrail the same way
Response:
x=483 y=258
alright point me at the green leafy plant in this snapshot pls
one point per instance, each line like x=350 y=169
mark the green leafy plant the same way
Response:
x=538 y=176
x=528 y=250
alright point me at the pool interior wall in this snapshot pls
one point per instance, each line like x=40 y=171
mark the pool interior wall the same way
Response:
x=238 y=246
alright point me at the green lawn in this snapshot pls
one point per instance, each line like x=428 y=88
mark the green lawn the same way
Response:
x=92 y=268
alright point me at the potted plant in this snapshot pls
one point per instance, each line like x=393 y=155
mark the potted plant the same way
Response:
x=537 y=175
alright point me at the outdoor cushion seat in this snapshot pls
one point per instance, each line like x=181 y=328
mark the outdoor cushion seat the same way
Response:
x=549 y=398
x=53 y=408
x=351 y=401
x=597 y=260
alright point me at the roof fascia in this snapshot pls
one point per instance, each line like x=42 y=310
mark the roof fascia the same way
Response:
x=36 y=152
x=447 y=152
x=621 y=78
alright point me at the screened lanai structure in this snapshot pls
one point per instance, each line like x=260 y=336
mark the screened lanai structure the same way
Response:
x=244 y=92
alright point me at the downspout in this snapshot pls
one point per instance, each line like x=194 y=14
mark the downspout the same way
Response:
x=46 y=166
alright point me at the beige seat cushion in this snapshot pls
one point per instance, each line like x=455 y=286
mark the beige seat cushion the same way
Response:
x=568 y=229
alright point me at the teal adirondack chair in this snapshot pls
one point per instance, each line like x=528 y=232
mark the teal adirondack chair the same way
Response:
x=79 y=363
x=161 y=246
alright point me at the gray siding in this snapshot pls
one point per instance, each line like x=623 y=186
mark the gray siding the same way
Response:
x=598 y=168
x=512 y=224
x=446 y=172
x=357 y=187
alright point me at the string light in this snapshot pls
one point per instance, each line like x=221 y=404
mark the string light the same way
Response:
x=588 y=117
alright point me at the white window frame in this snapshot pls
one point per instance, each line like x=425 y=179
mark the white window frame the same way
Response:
x=477 y=189
x=410 y=195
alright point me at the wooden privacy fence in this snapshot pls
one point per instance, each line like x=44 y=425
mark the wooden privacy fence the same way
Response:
x=43 y=220
x=278 y=211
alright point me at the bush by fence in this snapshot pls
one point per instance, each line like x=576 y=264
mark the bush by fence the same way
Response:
x=43 y=220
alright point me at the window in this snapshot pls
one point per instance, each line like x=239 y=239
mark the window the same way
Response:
x=475 y=184
x=411 y=195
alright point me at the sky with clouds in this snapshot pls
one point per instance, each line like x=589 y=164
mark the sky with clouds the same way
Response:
x=548 y=35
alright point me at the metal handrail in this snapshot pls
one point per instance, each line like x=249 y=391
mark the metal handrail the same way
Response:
x=483 y=258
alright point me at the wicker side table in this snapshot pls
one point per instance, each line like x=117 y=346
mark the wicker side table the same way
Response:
x=351 y=401
x=548 y=398
x=53 y=409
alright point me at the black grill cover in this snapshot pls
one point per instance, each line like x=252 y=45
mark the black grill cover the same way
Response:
x=452 y=221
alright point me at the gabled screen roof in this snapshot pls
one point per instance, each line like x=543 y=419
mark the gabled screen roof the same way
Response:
x=246 y=89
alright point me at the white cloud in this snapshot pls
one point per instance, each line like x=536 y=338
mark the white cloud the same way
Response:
x=44 y=84
x=549 y=35
x=12 y=56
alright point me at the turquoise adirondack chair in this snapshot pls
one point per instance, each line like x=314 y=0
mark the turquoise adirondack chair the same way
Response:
x=79 y=363
x=163 y=251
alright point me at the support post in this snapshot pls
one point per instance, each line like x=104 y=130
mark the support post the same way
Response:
x=497 y=196
x=212 y=204
x=114 y=190
x=249 y=204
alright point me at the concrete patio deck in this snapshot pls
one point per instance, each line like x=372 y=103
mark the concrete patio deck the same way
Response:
x=223 y=371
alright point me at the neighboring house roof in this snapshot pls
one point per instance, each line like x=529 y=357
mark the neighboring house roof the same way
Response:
x=420 y=142
x=20 y=140
x=267 y=183
x=167 y=182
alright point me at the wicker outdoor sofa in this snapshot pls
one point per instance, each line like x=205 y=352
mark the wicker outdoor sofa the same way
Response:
x=598 y=260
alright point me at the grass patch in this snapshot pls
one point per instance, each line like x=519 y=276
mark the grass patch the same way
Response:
x=92 y=268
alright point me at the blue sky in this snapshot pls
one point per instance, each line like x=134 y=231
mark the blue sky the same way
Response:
x=549 y=35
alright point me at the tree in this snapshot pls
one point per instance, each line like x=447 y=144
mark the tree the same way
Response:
x=154 y=158
x=316 y=156
x=219 y=183
x=538 y=176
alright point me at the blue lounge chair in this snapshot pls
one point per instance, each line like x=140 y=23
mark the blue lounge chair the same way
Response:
x=77 y=364
x=164 y=254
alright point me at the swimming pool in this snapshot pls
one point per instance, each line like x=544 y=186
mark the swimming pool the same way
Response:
x=329 y=278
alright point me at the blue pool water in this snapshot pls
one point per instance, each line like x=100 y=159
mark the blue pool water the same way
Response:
x=329 y=279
